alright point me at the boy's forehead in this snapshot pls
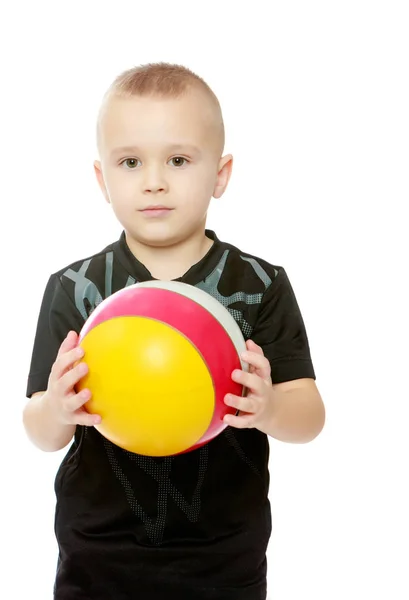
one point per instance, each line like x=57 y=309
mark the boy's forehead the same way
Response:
x=192 y=117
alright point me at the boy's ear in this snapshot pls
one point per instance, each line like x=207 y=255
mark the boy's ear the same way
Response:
x=100 y=179
x=223 y=176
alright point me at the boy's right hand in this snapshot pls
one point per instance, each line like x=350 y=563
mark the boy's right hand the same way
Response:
x=66 y=405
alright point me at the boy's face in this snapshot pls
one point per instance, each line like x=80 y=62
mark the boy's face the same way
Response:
x=163 y=153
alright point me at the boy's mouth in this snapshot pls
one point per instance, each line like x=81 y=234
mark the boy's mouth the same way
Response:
x=156 y=210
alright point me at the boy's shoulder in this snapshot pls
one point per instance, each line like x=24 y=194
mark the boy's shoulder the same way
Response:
x=235 y=250
x=85 y=282
x=244 y=264
x=78 y=263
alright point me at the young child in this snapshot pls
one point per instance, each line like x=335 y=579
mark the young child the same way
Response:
x=194 y=526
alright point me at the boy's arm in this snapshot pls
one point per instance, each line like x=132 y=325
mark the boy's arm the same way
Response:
x=41 y=426
x=58 y=315
x=298 y=412
x=281 y=334
x=297 y=409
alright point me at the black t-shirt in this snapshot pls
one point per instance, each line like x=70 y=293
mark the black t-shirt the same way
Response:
x=194 y=526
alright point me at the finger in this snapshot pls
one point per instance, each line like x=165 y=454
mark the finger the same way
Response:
x=65 y=362
x=72 y=377
x=259 y=362
x=249 y=380
x=253 y=347
x=246 y=404
x=81 y=417
x=240 y=422
x=74 y=402
x=68 y=344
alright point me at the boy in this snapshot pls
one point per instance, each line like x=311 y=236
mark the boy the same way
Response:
x=194 y=526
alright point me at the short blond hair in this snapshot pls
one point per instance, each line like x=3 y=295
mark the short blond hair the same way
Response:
x=164 y=80
x=159 y=79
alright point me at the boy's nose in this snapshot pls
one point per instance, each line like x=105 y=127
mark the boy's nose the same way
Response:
x=154 y=181
x=154 y=189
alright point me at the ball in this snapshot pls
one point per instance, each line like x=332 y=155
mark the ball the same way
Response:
x=160 y=357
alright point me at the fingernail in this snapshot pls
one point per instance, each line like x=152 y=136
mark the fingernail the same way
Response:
x=80 y=351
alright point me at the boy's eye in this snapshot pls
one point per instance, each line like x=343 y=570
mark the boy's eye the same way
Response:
x=131 y=163
x=178 y=161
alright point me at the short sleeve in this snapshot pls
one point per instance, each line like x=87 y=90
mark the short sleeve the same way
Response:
x=280 y=332
x=58 y=315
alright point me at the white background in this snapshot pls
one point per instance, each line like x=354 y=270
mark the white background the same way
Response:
x=315 y=98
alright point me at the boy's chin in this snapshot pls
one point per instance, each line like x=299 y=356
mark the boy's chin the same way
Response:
x=161 y=237
x=158 y=238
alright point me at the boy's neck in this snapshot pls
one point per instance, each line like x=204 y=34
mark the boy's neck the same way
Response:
x=171 y=262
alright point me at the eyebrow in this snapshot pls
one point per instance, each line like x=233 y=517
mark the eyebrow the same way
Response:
x=189 y=148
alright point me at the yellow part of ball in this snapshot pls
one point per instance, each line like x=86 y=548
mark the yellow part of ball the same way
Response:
x=150 y=385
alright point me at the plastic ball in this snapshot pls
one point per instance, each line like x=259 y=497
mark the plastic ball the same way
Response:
x=160 y=357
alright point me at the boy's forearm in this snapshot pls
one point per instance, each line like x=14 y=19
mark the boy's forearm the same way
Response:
x=41 y=427
x=297 y=416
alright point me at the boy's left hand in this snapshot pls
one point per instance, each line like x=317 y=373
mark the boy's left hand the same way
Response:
x=255 y=408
